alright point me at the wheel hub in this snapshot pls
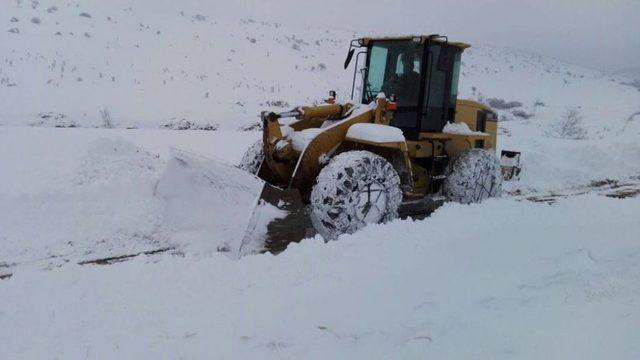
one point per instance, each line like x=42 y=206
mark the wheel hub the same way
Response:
x=371 y=203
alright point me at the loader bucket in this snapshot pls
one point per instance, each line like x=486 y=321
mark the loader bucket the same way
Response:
x=279 y=219
x=213 y=206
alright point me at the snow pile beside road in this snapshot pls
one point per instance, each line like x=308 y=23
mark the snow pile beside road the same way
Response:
x=554 y=164
x=71 y=195
x=76 y=196
x=518 y=280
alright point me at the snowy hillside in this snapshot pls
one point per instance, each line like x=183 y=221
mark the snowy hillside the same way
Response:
x=94 y=64
x=573 y=125
x=92 y=94
x=188 y=67
x=156 y=68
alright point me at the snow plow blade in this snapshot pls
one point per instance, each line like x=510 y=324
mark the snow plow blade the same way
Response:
x=213 y=206
x=279 y=219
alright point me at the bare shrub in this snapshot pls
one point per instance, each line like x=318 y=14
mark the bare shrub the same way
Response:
x=521 y=114
x=6 y=81
x=252 y=126
x=105 y=115
x=635 y=83
x=53 y=119
x=276 y=103
x=568 y=126
x=633 y=116
x=501 y=104
x=183 y=124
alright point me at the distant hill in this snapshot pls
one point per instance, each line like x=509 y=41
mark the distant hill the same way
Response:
x=188 y=65
x=633 y=73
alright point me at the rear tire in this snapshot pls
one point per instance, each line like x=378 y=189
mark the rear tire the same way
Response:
x=473 y=176
x=356 y=188
x=252 y=158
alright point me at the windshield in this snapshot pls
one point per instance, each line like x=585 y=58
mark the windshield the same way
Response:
x=394 y=69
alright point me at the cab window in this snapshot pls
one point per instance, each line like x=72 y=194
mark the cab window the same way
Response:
x=394 y=69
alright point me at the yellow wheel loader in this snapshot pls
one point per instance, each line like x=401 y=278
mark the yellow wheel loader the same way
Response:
x=406 y=145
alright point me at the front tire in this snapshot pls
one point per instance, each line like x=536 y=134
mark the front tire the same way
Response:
x=356 y=188
x=473 y=176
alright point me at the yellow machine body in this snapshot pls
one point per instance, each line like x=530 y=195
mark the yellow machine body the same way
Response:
x=288 y=168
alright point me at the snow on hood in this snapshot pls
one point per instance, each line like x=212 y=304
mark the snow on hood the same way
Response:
x=460 y=129
x=375 y=133
x=300 y=139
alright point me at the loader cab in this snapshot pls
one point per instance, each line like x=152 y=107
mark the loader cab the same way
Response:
x=421 y=72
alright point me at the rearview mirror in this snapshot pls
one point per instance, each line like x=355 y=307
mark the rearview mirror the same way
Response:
x=349 y=56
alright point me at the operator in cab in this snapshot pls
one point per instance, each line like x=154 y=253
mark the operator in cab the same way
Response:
x=408 y=81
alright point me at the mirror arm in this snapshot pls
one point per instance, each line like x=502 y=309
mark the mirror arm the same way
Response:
x=355 y=43
x=355 y=70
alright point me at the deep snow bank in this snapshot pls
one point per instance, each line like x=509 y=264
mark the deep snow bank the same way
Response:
x=500 y=280
x=79 y=194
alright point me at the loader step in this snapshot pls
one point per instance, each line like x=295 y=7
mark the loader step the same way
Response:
x=280 y=231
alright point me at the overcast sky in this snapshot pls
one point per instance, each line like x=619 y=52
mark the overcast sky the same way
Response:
x=602 y=34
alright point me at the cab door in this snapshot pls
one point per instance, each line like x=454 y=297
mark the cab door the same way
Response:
x=441 y=89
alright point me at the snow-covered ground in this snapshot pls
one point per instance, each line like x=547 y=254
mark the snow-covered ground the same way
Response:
x=149 y=63
x=509 y=278
x=502 y=280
